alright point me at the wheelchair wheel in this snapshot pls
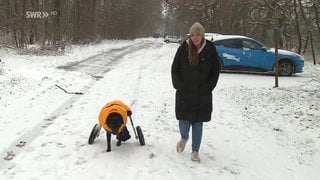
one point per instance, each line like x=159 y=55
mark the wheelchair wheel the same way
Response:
x=94 y=133
x=140 y=136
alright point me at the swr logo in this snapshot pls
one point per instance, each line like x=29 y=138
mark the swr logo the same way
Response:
x=38 y=14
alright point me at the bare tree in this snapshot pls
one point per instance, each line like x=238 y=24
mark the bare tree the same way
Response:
x=82 y=21
x=56 y=22
x=308 y=27
x=297 y=25
x=77 y=6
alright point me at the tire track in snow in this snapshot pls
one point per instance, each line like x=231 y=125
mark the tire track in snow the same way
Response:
x=14 y=149
x=150 y=111
x=133 y=92
x=26 y=138
x=99 y=64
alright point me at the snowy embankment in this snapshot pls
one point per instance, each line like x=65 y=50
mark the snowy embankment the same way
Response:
x=257 y=131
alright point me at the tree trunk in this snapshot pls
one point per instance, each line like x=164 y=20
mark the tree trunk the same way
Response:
x=56 y=22
x=309 y=31
x=316 y=14
x=76 y=21
x=297 y=27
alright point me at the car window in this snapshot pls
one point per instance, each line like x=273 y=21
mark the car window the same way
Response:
x=251 y=44
x=230 y=43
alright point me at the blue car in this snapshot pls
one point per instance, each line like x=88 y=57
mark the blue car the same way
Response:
x=243 y=53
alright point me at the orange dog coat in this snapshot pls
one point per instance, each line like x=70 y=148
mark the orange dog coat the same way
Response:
x=115 y=106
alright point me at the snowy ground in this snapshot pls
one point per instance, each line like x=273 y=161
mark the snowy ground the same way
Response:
x=257 y=131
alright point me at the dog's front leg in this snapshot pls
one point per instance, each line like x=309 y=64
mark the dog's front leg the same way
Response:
x=108 y=141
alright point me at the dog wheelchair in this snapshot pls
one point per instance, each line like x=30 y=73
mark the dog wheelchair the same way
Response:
x=95 y=132
x=113 y=119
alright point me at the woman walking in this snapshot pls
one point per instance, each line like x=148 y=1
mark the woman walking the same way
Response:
x=195 y=73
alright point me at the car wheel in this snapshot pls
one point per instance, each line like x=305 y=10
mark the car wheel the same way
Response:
x=285 y=68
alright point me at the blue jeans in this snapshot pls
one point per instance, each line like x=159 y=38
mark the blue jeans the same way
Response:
x=184 y=127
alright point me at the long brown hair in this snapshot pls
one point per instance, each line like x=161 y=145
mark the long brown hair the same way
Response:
x=192 y=53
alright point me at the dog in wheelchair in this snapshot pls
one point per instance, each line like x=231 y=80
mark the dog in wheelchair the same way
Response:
x=113 y=119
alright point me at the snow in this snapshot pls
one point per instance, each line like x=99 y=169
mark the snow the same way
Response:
x=257 y=131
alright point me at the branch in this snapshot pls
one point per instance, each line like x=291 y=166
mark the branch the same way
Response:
x=78 y=93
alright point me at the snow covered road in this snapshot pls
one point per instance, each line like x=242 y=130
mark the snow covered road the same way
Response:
x=257 y=131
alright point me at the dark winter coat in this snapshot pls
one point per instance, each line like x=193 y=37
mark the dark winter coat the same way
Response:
x=195 y=83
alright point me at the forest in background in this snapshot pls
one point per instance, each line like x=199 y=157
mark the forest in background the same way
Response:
x=85 y=21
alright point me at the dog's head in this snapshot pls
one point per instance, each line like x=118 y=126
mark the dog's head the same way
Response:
x=114 y=122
